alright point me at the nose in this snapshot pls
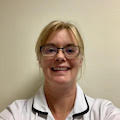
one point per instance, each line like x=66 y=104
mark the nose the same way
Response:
x=60 y=57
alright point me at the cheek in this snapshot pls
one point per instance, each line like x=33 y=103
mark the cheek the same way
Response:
x=45 y=63
x=76 y=63
x=45 y=67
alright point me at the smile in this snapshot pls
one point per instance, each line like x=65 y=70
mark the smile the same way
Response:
x=60 y=68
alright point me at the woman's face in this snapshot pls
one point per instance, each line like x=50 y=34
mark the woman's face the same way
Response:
x=59 y=69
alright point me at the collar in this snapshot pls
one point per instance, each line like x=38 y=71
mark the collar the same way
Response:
x=81 y=106
x=39 y=102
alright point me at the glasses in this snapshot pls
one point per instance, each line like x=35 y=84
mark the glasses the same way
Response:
x=50 y=50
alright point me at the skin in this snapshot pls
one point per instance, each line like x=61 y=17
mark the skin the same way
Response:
x=60 y=86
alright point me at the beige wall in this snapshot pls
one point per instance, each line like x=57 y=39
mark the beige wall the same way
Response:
x=20 y=24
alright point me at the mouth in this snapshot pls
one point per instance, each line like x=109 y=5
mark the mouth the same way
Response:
x=55 y=69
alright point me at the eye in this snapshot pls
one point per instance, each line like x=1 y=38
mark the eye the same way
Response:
x=49 y=50
x=70 y=50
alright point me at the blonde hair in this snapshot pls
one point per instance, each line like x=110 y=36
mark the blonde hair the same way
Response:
x=54 y=26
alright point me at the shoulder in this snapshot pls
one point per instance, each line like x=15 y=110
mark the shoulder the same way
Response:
x=15 y=109
x=20 y=104
x=104 y=108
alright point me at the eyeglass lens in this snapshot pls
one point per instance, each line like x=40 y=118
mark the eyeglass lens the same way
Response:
x=52 y=50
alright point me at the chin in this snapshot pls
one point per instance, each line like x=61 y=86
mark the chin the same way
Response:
x=61 y=80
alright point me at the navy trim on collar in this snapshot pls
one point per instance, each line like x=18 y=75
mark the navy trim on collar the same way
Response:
x=84 y=112
x=40 y=113
x=44 y=114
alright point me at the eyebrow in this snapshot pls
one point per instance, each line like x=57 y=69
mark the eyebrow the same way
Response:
x=49 y=44
x=69 y=44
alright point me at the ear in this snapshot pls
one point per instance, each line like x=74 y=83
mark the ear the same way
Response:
x=39 y=63
x=39 y=60
x=81 y=61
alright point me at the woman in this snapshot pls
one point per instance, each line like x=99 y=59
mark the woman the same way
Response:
x=60 y=52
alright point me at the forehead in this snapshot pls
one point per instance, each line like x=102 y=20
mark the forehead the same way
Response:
x=62 y=37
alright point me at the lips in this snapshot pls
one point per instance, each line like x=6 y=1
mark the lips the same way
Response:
x=60 y=68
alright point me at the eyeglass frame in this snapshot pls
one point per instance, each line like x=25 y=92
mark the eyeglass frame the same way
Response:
x=41 y=47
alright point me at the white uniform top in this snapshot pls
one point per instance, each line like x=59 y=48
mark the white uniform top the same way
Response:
x=85 y=108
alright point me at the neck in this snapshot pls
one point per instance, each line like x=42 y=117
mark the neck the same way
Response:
x=59 y=96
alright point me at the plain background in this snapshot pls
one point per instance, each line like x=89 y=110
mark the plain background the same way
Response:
x=20 y=24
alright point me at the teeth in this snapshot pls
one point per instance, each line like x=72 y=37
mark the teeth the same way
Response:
x=60 y=69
